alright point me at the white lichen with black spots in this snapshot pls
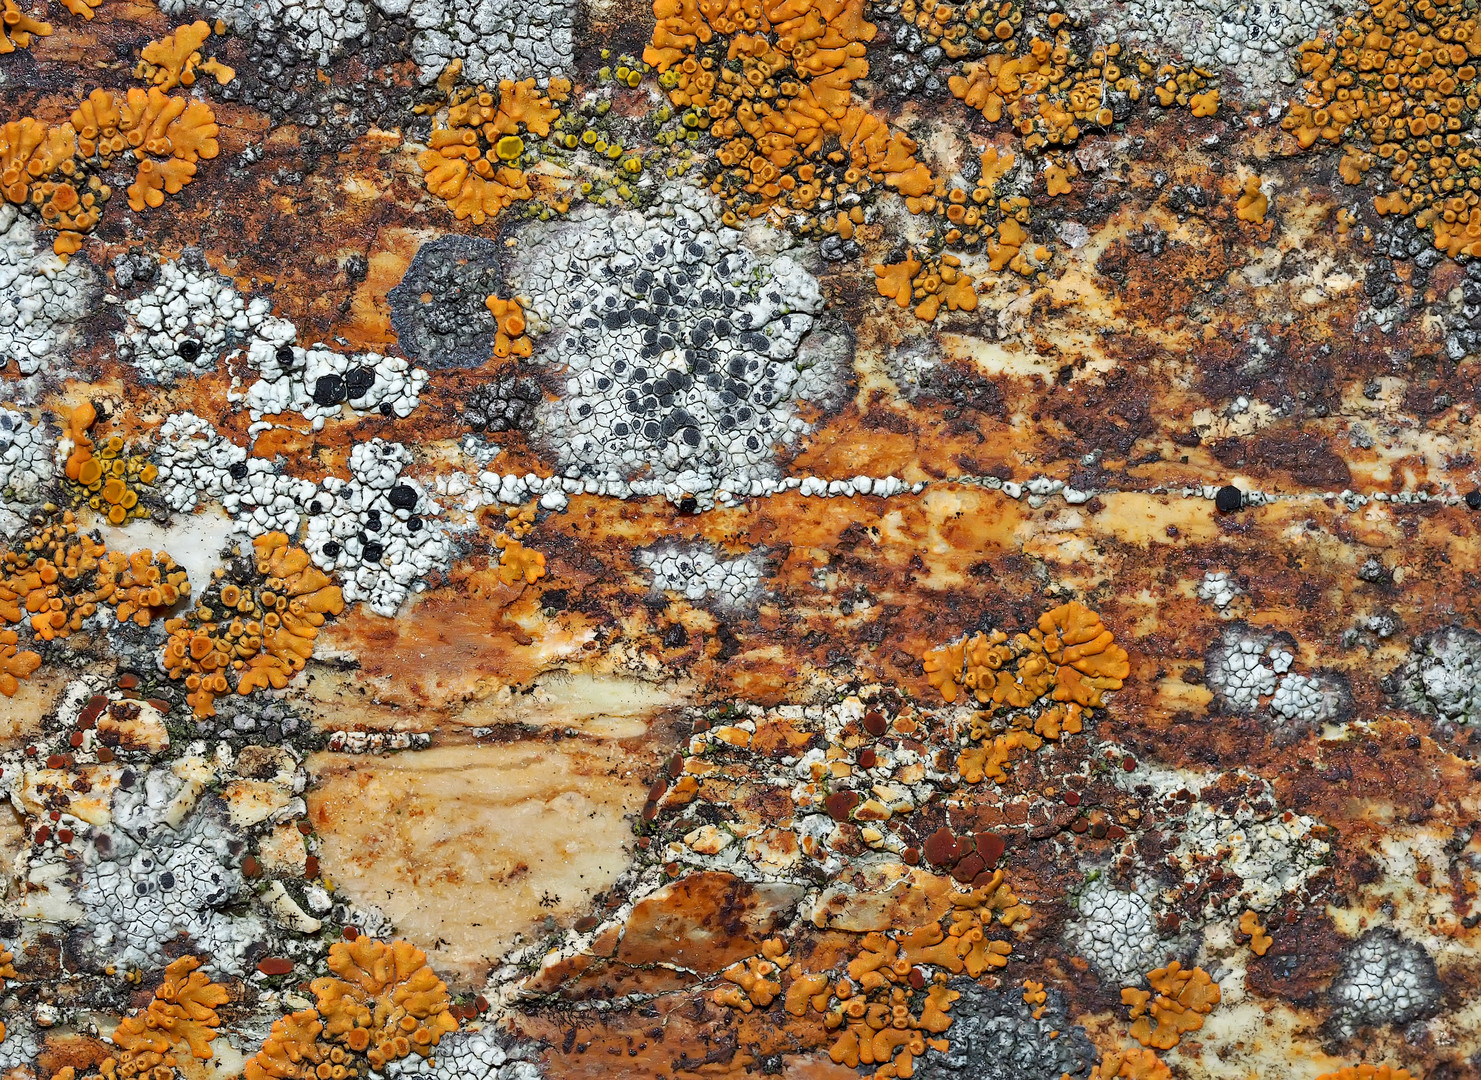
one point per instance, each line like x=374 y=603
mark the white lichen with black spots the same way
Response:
x=1384 y=979
x=1251 y=41
x=493 y=40
x=317 y=382
x=377 y=532
x=684 y=352
x=187 y=322
x=702 y=575
x=41 y=296
x=166 y=864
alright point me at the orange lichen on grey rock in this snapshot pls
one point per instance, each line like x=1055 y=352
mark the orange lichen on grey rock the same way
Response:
x=510 y=339
x=383 y=1001
x=1178 y=1001
x=1392 y=84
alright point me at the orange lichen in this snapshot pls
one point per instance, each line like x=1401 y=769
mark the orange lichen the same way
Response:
x=1260 y=941
x=1039 y=683
x=463 y=165
x=253 y=635
x=1396 y=84
x=1252 y=203
x=171 y=61
x=756 y=980
x=104 y=478
x=928 y=284
x=1368 y=1072
x=1133 y=1064
x=53 y=167
x=384 y=1001
x=517 y=562
x=84 y=8
x=17 y=28
x=183 y=1012
x=1176 y=1004
x=772 y=80
x=15 y=663
x=510 y=339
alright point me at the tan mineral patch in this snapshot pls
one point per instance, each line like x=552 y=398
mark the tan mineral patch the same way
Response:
x=469 y=848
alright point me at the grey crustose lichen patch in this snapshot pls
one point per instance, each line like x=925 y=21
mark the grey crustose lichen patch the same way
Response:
x=1385 y=979
x=684 y=351
x=996 y=1035
x=438 y=309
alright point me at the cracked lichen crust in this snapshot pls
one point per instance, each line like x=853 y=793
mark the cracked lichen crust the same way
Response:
x=153 y=876
x=494 y=39
x=41 y=296
x=682 y=347
x=996 y=1035
x=1385 y=979
x=1252 y=672
x=1443 y=675
x=484 y=1054
x=1116 y=932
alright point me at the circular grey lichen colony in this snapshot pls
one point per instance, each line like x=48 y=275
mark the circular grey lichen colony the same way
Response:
x=1443 y=675
x=1385 y=979
x=438 y=309
x=682 y=349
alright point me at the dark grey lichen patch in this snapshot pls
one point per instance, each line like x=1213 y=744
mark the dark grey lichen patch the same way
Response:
x=1442 y=677
x=1385 y=979
x=438 y=309
x=503 y=404
x=996 y=1035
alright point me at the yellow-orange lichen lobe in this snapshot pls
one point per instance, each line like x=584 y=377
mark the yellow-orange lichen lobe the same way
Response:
x=772 y=80
x=1368 y=1072
x=510 y=339
x=1394 y=84
x=172 y=61
x=384 y=1001
x=1038 y=685
x=1178 y=1001
x=518 y=563
x=1133 y=1064
x=292 y=1050
x=17 y=28
x=463 y=164
x=928 y=284
x=105 y=478
x=254 y=635
x=15 y=663
x=1252 y=203
x=1260 y=940
x=83 y=8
